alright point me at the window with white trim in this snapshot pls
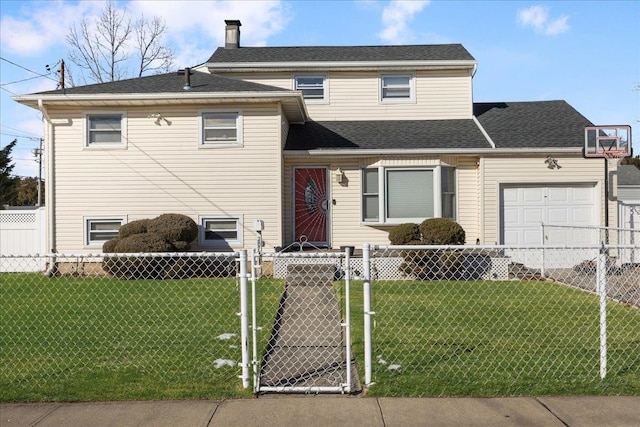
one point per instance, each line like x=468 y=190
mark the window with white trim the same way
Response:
x=215 y=231
x=313 y=88
x=396 y=88
x=105 y=130
x=99 y=230
x=397 y=195
x=220 y=128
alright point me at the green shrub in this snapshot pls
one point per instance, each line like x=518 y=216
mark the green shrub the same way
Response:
x=174 y=228
x=441 y=231
x=110 y=245
x=402 y=234
x=133 y=227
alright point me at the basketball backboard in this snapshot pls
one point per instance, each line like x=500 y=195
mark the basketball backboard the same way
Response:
x=610 y=142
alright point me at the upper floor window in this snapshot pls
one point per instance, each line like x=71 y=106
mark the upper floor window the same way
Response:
x=396 y=88
x=220 y=128
x=313 y=88
x=105 y=130
x=99 y=230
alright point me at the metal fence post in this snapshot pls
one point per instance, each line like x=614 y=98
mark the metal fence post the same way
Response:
x=244 y=318
x=254 y=316
x=366 y=267
x=347 y=324
x=601 y=287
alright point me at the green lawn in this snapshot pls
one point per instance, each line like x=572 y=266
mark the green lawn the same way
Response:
x=68 y=339
x=495 y=339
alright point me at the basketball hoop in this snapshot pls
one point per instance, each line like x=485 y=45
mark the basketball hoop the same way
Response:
x=615 y=154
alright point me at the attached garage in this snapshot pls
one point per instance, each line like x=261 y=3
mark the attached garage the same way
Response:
x=525 y=207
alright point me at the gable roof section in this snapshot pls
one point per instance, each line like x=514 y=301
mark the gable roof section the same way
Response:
x=168 y=88
x=422 y=135
x=441 y=52
x=325 y=58
x=628 y=175
x=167 y=83
x=526 y=125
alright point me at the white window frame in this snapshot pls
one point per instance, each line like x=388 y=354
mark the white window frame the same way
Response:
x=412 y=89
x=87 y=115
x=239 y=142
x=325 y=88
x=88 y=220
x=383 y=193
x=237 y=242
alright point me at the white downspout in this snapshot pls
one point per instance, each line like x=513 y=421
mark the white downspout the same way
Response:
x=50 y=189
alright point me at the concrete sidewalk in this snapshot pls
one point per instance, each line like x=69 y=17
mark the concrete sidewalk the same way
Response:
x=284 y=411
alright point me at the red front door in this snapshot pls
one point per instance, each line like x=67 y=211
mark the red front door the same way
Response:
x=311 y=205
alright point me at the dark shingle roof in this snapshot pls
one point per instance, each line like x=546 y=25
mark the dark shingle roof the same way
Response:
x=167 y=83
x=539 y=124
x=444 y=52
x=628 y=175
x=387 y=134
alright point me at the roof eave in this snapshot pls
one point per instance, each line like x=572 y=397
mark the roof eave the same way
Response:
x=141 y=99
x=340 y=65
x=431 y=151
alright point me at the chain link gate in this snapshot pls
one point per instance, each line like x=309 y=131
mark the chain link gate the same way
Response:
x=301 y=323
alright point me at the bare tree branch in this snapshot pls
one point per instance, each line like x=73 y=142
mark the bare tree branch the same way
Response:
x=152 y=55
x=114 y=47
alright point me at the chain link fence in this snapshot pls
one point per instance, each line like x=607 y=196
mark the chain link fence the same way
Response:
x=304 y=334
x=403 y=321
x=488 y=321
x=90 y=326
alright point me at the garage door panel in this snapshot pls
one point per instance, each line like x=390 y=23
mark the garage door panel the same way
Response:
x=558 y=215
x=582 y=215
x=525 y=207
x=532 y=195
x=532 y=216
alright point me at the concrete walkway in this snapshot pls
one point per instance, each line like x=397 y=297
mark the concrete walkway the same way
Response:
x=306 y=348
x=600 y=411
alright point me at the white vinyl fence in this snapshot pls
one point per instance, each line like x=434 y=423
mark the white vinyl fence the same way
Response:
x=22 y=232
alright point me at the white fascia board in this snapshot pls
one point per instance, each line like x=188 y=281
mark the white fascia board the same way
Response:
x=171 y=97
x=342 y=65
x=429 y=151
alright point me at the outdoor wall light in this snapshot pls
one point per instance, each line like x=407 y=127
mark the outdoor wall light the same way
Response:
x=159 y=118
x=552 y=163
x=338 y=176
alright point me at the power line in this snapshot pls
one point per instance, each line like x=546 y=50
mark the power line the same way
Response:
x=24 y=68
x=20 y=81
x=19 y=136
x=35 y=135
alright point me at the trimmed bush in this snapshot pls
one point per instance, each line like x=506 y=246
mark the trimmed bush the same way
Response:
x=133 y=227
x=174 y=227
x=403 y=234
x=441 y=231
x=166 y=233
x=110 y=245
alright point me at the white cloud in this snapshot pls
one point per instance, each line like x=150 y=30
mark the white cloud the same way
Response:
x=40 y=28
x=199 y=25
x=537 y=17
x=395 y=18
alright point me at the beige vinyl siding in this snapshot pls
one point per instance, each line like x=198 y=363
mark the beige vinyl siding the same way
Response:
x=163 y=170
x=354 y=95
x=533 y=170
x=347 y=227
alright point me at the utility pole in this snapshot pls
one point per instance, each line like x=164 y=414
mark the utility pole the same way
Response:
x=62 y=74
x=37 y=152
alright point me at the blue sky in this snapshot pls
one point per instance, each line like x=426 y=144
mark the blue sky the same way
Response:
x=585 y=52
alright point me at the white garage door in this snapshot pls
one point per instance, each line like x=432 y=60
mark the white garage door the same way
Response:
x=525 y=207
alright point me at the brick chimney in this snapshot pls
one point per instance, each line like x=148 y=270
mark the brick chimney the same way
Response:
x=232 y=34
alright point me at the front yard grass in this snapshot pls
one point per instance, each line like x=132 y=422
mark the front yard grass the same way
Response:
x=492 y=338
x=83 y=339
